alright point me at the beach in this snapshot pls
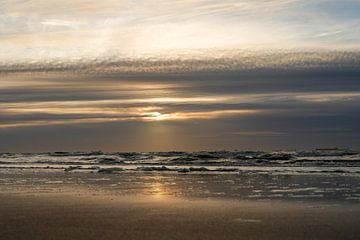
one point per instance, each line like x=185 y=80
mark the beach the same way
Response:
x=179 y=120
x=61 y=205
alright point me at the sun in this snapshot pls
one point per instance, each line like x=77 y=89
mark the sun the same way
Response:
x=156 y=116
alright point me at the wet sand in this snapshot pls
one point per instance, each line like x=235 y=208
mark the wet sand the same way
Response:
x=80 y=211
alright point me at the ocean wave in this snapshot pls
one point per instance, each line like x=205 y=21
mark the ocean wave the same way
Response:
x=319 y=160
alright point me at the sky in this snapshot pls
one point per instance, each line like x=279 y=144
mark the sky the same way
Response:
x=158 y=75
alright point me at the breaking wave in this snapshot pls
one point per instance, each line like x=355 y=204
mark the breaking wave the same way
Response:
x=315 y=161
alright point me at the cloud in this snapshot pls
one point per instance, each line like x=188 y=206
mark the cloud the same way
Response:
x=131 y=115
x=59 y=22
x=197 y=61
x=66 y=98
x=142 y=8
x=89 y=29
x=180 y=74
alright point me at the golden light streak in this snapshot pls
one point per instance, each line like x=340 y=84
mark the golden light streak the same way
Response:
x=145 y=116
x=153 y=105
x=99 y=106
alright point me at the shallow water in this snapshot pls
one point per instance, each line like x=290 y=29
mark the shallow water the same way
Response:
x=337 y=188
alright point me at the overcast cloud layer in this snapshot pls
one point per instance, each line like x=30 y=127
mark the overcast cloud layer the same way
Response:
x=236 y=110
